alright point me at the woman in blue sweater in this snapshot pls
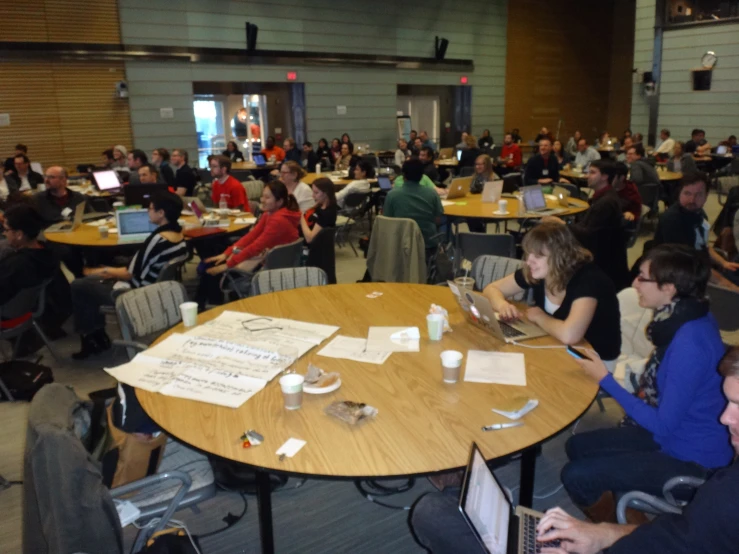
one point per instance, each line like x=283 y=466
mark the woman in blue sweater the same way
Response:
x=672 y=424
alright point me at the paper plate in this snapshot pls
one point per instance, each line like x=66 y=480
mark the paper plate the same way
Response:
x=322 y=390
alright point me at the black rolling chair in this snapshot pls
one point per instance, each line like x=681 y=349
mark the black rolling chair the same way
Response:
x=322 y=253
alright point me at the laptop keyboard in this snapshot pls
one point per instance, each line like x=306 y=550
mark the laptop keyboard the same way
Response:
x=510 y=332
x=528 y=542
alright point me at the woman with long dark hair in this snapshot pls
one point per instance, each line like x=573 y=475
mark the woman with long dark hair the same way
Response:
x=323 y=214
x=232 y=152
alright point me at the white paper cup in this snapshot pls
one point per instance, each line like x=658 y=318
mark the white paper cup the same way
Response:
x=189 y=313
x=503 y=206
x=435 y=324
x=103 y=231
x=292 y=390
x=451 y=361
x=318 y=169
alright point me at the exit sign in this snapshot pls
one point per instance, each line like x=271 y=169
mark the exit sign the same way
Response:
x=292 y=75
x=463 y=80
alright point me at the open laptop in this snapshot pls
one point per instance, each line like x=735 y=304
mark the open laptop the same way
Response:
x=492 y=191
x=459 y=154
x=488 y=511
x=722 y=149
x=106 y=181
x=259 y=160
x=534 y=201
x=480 y=312
x=459 y=187
x=69 y=226
x=140 y=195
x=133 y=225
x=384 y=182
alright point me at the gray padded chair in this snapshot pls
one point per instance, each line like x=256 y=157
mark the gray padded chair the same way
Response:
x=172 y=271
x=146 y=312
x=467 y=172
x=31 y=300
x=275 y=280
x=653 y=505
x=724 y=307
x=470 y=246
x=649 y=193
x=486 y=269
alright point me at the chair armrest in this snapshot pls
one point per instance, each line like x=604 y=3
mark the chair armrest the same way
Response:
x=185 y=484
x=131 y=344
x=682 y=480
x=645 y=503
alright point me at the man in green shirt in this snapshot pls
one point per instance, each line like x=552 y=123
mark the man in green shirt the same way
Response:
x=416 y=201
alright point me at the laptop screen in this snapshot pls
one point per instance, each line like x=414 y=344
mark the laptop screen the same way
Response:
x=106 y=180
x=384 y=182
x=459 y=155
x=533 y=198
x=485 y=505
x=259 y=159
x=134 y=222
x=723 y=149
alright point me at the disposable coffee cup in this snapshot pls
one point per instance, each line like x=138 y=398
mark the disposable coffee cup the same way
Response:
x=318 y=169
x=451 y=362
x=503 y=206
x=435 y=324
x=292 y=390
x=465 y=283
x=118 y=205
x=189 y=313
x=103 y=231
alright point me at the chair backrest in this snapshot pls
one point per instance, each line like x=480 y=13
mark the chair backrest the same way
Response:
x=372 y=159
x=472 y=245
x=286 y=255
x=171 y=271
x=356 y=199
x=30 y=300
x=466 y=171
x=724 y=307
x=649 y=193
x=634 y=320
x=512 y=182
x=322 y=253
x=275 y=280
x=150 y=310
x=253 y=189
x=486 y=269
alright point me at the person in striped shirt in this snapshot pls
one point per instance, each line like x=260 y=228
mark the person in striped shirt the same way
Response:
x=102 y=285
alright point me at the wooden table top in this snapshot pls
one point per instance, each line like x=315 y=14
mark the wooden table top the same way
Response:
x=89 y=235
x=338 y=183
x=663 y=175
x=573 y=175
x=447 y=162
x=473 y=206
x=252 y=165
x=669 y=175
x=423 y=425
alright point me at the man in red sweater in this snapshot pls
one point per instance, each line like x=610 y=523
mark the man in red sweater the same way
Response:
x=628 y=193
x=224 y=183
x=272 y=150
x=510 y=156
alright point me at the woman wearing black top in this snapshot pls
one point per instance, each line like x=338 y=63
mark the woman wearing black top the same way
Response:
x=233 y=153
x=574 y=299
x=324 y=152
x=469 y=154
x=486 y=141
x=323 y=214
x=563 y=158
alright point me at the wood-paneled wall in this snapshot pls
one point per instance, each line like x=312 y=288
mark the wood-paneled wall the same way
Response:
x=90 y=21
x=65 y=112
x=558 y=67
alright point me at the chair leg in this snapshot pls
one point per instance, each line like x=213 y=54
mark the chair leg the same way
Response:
x=16 y=345
x=599 y=400
x=5 y=391
x=46 y=340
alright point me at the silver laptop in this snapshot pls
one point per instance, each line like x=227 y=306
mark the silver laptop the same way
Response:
x=459 y=187
x=69 y=226
x=534 y=201
x=489 y=512
x=133 y=225
x=106 y=181
x=492 y=191
x=480 y=312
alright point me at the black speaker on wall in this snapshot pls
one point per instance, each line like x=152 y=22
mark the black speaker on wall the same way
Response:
x=440 y=48
x=648 y=77
x=251 y=36
x=702 y=79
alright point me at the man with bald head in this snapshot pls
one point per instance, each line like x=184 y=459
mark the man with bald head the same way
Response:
x=57 y=202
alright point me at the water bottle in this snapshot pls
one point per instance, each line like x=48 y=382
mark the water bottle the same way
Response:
x=318 y=169
x=223 y=203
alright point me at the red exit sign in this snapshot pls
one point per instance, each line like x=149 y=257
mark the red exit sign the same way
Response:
x=463 y=80
x=292 y=75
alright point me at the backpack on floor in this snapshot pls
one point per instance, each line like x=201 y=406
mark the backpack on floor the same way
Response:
x=22 y=379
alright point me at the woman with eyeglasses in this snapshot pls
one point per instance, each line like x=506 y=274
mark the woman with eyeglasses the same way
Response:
x=672 y=423
x=574 y=299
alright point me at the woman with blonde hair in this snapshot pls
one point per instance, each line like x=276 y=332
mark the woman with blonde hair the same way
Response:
x=574 y=299
x=483 y=172
x=469 y=154
x=291 y=174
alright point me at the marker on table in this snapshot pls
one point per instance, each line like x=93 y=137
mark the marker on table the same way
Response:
x=498 y=426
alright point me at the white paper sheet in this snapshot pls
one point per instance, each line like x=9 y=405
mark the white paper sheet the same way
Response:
x=245 y=220
x=447 y=203
x=500 y=368
x=393 y=339
x=266 y=333
x=350 y=348
x=291 y=447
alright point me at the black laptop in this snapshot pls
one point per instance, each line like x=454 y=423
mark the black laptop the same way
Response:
x=140 y=195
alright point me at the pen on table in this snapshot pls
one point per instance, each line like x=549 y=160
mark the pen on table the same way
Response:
x=497 y=426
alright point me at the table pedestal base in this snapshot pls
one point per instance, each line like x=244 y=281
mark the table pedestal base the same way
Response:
x=264 y=505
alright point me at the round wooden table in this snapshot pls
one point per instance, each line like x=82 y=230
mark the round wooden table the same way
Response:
x=338 y=183
x=88 y=236
x=472 y=206
x=424 y=426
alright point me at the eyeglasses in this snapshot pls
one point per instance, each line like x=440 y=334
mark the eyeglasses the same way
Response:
x=643 y=279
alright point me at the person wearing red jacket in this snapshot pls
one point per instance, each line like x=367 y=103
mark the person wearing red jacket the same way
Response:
x=510 y=156
x=225 y=183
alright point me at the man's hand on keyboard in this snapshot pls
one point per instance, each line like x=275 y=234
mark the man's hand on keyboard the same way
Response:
x=577 y=536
